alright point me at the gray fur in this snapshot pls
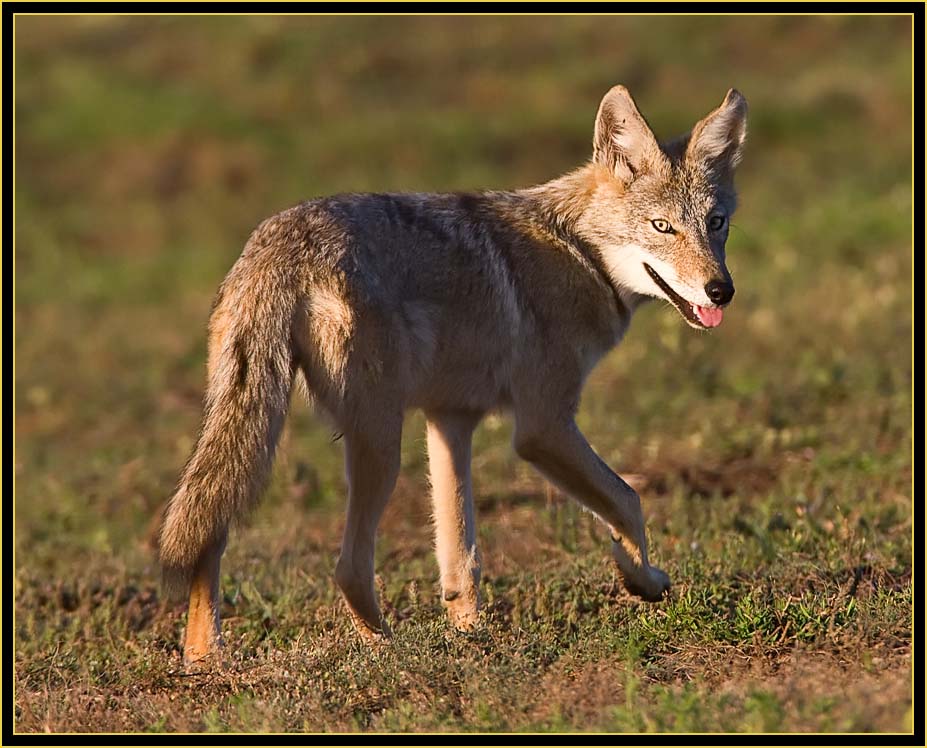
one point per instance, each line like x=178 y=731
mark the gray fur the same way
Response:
x=457 y=304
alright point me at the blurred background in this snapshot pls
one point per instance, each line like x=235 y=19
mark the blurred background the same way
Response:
x=148 y=148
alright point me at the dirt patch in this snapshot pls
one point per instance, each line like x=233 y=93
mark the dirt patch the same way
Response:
x=737 y=475
x=818 y=691
x=577 y=692
x=811 y=682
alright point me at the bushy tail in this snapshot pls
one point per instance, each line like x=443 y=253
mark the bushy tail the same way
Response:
x=251 y=368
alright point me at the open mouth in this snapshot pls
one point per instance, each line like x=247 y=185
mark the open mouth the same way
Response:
x=700 y=317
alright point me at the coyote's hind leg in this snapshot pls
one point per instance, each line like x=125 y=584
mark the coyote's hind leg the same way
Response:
x=372 y=456
x=203 y=635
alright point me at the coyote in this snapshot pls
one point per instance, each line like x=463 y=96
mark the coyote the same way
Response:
x=457 y=304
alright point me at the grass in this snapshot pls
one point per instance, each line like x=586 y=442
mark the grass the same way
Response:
x=773 y=456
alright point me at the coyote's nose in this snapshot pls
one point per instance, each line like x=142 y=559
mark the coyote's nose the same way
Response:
x=720 y=292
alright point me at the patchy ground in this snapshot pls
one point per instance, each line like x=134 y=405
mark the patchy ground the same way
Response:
x=773 y=455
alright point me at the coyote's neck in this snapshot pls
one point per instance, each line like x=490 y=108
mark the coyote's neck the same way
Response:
x=566 y=198
x=559 y=206
x=563 y=204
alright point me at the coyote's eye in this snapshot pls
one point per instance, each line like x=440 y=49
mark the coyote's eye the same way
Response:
x=662 y=226
x=716 y=223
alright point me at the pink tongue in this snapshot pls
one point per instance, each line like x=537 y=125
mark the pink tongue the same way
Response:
x=710 y=317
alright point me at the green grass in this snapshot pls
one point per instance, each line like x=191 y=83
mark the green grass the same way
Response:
x=773 y=456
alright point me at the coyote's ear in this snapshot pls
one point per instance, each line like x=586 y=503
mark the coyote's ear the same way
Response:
x=718 y=140
x=623 y=140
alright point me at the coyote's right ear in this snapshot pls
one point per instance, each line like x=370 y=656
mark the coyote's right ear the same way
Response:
x=623 y=140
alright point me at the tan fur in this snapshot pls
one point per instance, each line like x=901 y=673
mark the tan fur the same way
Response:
x=327 y=330
x=457 y=304
x=203 y=632
x=449 y=437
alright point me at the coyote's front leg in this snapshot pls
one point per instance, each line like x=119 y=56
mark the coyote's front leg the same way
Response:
x=449 y=435
x=560 y=451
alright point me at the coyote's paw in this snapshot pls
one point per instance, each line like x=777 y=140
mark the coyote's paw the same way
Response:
x=203 y=660
x=372 y=637
x=650 y=584
x=202 y=647
x=463 y=607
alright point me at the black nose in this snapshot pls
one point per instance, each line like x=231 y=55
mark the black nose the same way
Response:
x=720 y=292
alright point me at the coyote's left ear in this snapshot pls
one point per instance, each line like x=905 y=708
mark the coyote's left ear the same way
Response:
x=718 y=140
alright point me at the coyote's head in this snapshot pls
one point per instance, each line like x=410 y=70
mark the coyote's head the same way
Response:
x=660 y=214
